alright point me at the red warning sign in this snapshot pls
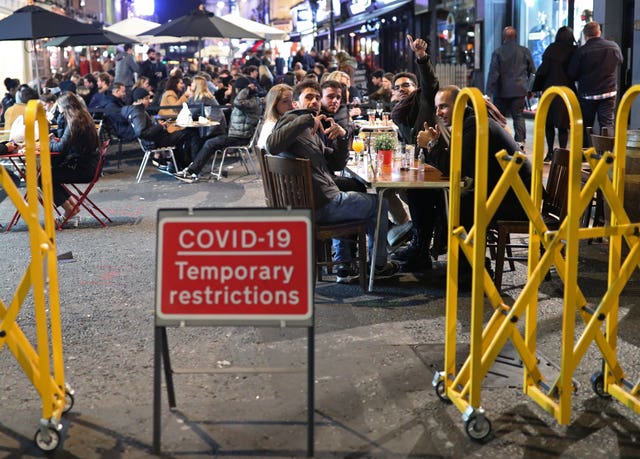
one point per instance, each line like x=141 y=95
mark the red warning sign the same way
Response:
x=234 y=268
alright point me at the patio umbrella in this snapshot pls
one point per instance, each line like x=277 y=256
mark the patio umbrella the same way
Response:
x=32 y=23
x=104 y=38
x=132 y=27
x=266 y=32
x=201 y=24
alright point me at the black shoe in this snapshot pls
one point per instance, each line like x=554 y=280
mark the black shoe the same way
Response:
x=389 y=269
x=346 y=274
x=418 y=263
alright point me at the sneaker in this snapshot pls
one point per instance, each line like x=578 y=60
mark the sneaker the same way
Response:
x=159 y=161
x=167 y=169
x=389 y=269
x=345 y=274
x=186 y=176
x=399 y=234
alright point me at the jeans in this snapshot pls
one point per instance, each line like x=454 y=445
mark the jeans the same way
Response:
x=352 y=205
x=603 y=108
x=514 y=106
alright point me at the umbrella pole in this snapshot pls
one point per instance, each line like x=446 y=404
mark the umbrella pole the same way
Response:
x=37 y=72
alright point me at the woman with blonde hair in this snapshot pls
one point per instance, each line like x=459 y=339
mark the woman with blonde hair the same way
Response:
x=278 y=101
x=77 y=150
x=204 y=103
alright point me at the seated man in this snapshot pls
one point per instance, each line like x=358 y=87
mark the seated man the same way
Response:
x=435 y=140
x=299 y=132
x=246 y=113
x=154 y=134
x=112 y=106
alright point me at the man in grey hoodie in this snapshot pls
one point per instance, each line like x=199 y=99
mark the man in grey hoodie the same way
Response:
x=126 y=66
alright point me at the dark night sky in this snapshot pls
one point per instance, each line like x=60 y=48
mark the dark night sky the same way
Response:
x=169 y=9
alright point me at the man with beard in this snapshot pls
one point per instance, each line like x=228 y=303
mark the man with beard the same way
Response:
x=153 y=68
x=435 y=139
x=415 y=107
x=300 y=133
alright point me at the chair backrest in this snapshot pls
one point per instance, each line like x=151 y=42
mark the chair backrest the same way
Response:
x=266 y=181
x=555 y=200
x=290 y=182
x=602 y=143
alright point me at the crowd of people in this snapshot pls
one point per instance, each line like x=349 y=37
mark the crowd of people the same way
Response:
x=307 y=110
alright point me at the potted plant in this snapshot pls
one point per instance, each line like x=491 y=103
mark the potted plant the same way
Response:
x=385 y=144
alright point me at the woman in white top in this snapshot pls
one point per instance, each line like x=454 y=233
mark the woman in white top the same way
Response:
x=278 y=101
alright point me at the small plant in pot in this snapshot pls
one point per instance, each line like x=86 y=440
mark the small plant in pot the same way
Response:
x=384 y=141
x=385 y=144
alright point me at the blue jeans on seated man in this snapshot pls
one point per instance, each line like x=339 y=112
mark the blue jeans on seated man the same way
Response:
x=352 y=205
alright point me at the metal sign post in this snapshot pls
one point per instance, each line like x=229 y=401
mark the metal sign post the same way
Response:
x=225 y=267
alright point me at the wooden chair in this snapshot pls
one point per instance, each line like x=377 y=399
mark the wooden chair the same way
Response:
x=266 y=185
x=81 y=196
x=594 y=214
x=554 y=209
x=291 y=185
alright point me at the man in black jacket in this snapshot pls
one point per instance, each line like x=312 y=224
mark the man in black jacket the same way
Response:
x=508 y=81
x=595 y=67
x=113 y=118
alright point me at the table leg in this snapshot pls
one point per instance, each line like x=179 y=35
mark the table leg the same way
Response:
x=376 y=237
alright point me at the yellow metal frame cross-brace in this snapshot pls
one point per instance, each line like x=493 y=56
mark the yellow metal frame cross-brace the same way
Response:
x=42 y=364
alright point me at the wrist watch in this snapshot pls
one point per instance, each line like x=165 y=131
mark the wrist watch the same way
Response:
x=431 y=143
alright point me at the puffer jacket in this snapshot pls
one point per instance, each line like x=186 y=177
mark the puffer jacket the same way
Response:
x=246 y=113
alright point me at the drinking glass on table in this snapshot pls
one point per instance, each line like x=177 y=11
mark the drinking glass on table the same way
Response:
x=371 y=113
x=358 y=146
x=207 y=112
x=379 y=108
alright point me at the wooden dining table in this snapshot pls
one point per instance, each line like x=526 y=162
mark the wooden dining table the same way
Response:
x=393 y=177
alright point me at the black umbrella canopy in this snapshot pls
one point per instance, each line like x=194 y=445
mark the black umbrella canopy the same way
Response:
x=104 y=38
x=201 y=24
x=32 y=22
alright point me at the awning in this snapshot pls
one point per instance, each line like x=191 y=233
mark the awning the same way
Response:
x=375 y=14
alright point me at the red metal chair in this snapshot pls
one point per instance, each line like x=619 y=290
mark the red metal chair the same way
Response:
x=81 y=196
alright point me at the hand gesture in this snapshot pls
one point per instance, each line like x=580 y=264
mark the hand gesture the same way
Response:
x=429 y=134
x=334 y=130
x=418 y=46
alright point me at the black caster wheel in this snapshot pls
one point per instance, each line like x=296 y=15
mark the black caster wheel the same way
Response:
x=477 y=429
x=440 y=392
x=597 y=384
x=50 y=444
x=68 y=401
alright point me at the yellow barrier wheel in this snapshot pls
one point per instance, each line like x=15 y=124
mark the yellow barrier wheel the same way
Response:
x=597 y=384
x=477 y=428
x=47 y=444
x=440 y=392
x=68 y=401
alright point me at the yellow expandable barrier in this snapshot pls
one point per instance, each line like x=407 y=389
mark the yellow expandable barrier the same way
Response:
x=43 y=364
x=561 y=248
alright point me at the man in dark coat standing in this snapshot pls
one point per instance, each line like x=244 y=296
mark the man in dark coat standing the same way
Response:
x=508 y=81
x=595 y=67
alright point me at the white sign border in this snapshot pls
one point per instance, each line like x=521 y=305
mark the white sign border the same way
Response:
x=233 y=215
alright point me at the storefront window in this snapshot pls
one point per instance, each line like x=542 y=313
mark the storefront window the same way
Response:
x=540 y=21
x=455 y=32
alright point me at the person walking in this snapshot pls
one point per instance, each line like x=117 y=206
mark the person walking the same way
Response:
x=595 y=67
x=553 y=72
x=508 y=81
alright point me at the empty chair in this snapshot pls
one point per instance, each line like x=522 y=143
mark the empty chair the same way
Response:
x=243 y=151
